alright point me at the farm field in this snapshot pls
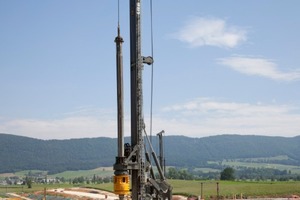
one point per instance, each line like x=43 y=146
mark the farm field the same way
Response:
x=230 y=188
x=294 y=169
x=101 y=172
x=227 y=189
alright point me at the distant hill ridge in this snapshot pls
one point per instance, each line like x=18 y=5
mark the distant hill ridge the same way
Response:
x=23 y=153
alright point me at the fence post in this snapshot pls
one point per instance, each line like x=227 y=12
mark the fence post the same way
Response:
x=218 y=191
x=45 y=193
x=201 y=190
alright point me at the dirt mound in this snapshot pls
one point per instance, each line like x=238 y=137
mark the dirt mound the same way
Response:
x=179 y=197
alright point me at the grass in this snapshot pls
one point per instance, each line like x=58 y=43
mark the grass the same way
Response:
x=230 y=188
x=25 y=172
x=292 y=168
x=207 y=170
x=35 y=188
x=41 y=187
x=101 y=172
x=266 y=159
x=193 y=188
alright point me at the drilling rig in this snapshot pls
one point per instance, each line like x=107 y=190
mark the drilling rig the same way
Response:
x=133 y=161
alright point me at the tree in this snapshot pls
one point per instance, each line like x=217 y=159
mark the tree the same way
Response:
x=107 y=179
x=228 y=174
x=28 y=181
x=173 y=173
x=94 y=179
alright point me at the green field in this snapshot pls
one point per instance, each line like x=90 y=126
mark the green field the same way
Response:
x=230 y=188
x=207 y=170
x=101 y=172
x=25 y=189
x=193 y=188
x=294 y=169
x=266 y=159
x=227 y=189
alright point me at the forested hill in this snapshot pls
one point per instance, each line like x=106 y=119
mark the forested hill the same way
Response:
x=23 y=153
x=217 y=148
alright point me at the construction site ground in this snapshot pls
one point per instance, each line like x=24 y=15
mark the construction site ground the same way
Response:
x=95 y=194
x=64 y=194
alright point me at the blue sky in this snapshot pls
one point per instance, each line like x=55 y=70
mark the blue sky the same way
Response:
x=221 y=67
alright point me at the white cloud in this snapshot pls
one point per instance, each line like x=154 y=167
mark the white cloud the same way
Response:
x=81 y=123
x=201 y=31
x=196 y=118
x=73 y=127
x=210 y=117
x=211 y=107
x=258 y=66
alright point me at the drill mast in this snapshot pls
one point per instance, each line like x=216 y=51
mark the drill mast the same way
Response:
x=137 y=121
x=134 y=159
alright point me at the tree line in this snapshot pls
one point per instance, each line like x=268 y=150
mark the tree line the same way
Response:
x=229 y=173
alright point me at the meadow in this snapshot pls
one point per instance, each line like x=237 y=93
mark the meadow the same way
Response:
x=293 y=168
x=230 y=188
x=227 y=189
